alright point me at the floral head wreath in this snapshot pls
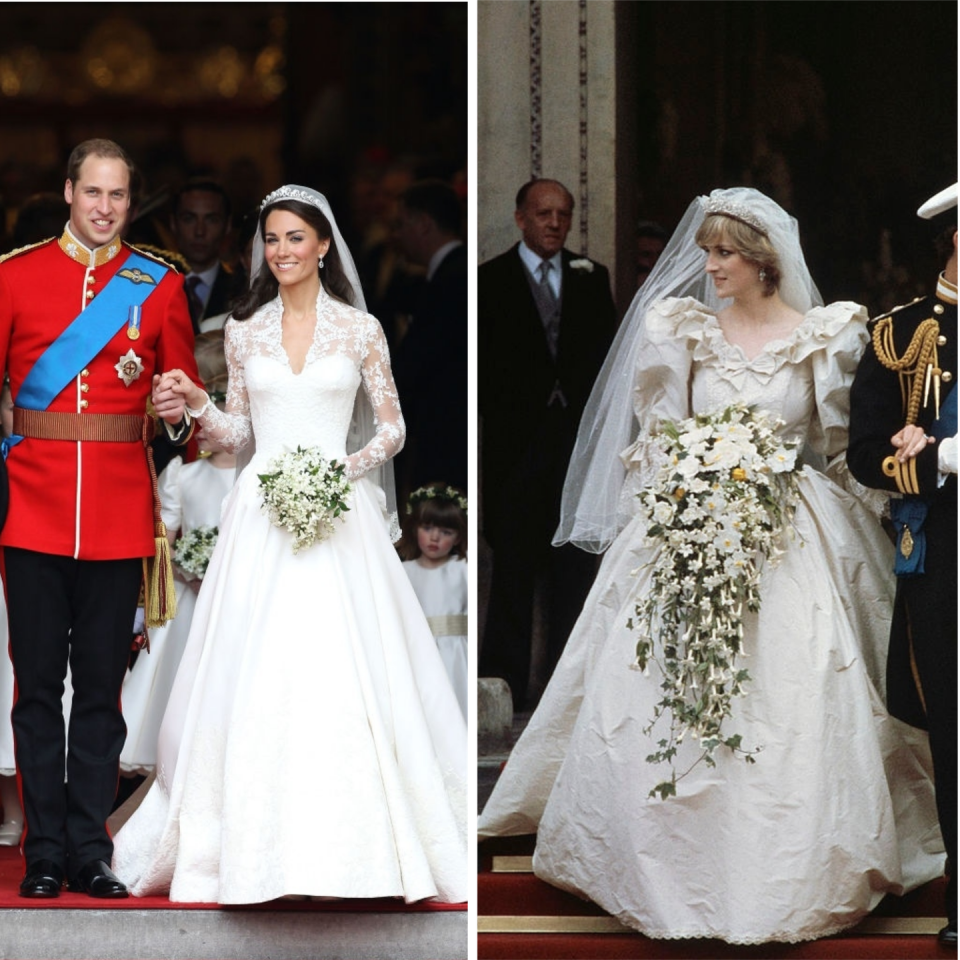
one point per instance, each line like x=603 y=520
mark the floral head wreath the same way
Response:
x=422 y=494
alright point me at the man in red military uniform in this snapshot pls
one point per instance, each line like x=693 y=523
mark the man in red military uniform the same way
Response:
x=86 y=321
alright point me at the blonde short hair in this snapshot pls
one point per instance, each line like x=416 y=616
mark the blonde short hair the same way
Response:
x=749 y=242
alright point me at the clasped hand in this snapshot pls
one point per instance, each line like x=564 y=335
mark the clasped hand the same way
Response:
x=173 y=392
x=910 y=441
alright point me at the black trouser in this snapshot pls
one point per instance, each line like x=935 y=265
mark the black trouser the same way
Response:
x=522 y=512
x=930 y=603
x=63 y=610
x=568 y=574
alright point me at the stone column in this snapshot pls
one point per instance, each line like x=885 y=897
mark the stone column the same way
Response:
x=546 y=106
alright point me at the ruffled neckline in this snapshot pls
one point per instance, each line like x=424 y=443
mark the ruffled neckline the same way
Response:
x=691 y=320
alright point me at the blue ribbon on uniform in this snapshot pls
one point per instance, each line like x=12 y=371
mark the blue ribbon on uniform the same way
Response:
x=88 y=333
x=909 y=513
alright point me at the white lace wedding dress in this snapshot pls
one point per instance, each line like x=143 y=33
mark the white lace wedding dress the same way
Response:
x=312 y=744
x=838 y=808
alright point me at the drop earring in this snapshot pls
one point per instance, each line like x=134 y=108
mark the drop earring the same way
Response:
x=320 y=264
x=763 y=275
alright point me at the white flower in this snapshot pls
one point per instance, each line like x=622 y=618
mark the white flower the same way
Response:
x=720 y=503
x=782 y=459
x=303 y=493
x=582 y=264
x=193 y=550
x=663 y=512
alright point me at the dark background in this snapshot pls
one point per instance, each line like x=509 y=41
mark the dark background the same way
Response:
x=351 y=98
x=844 y=112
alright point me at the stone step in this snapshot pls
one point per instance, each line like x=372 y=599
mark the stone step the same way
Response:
x=230 y=934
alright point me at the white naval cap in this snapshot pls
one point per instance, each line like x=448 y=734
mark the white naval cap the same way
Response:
x=939 y=203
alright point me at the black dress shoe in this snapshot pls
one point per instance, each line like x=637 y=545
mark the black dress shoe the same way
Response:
x=43 y=878
x=947 y=937
x=96 y=879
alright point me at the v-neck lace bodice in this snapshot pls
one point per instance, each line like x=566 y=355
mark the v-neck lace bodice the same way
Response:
x=282 y=409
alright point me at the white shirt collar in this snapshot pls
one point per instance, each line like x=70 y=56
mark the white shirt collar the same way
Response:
x=533 y=260
x=439 y=256
x=206 y=281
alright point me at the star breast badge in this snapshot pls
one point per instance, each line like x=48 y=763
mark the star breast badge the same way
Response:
x=129 y=368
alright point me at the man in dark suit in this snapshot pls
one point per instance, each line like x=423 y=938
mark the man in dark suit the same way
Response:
x=903 y=438
x=545 y=321
x=430 y=364
x=200 y=221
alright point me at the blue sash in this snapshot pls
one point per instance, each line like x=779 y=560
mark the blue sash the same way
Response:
x=87 y=335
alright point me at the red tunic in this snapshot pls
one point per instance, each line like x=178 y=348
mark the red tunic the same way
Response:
x=89 y=500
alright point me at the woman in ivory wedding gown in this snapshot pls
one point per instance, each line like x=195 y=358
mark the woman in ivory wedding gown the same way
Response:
x=837 y=809
x=312 y=745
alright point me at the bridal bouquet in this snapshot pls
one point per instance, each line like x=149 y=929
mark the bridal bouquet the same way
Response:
x=193 y=550
x=718 y=508
x=303 y=493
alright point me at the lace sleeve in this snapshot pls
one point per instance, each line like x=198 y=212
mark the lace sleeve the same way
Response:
x=381 y=391
x=231 y=428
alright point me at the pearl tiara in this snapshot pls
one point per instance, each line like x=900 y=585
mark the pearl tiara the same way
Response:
x=295 y=193
x=735 y=211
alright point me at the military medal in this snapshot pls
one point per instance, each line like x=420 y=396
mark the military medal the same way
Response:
x=129 y=368
x=133 y=323
x=906 y=542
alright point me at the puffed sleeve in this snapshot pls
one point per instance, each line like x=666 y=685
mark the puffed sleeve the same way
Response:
x=171 y=501
x=661 y=392
x=844 y=327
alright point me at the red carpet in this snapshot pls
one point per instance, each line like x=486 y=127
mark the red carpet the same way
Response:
x=12 y=867
x=519 y=916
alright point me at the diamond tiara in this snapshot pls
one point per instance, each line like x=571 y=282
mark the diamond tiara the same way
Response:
x=293 y=193
x=735 y=211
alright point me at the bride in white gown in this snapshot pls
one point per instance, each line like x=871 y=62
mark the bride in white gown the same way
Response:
x=312 y=744
x=837 y=809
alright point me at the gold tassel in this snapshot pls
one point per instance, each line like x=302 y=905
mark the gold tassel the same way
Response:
x=160 y=600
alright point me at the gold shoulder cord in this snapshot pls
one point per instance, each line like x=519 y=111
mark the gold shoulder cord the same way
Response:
x=918 y=368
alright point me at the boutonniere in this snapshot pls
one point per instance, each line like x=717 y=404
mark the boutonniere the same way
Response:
x=582 y=264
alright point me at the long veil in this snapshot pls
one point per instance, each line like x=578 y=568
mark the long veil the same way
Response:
x=363 y=422
x=589 y=514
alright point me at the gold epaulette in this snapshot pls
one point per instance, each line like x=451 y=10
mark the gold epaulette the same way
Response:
x=167 y=257
x=28 y=247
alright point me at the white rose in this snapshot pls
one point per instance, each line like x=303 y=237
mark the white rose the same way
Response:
x=582 y=264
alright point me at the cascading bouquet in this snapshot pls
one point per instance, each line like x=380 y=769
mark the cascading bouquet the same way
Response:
x=304 y=493
x=718 y=509
x=193 y=550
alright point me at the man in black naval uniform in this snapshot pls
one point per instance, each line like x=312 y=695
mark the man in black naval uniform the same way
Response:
x=903 y=426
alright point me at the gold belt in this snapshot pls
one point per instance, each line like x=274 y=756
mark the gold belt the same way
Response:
x=103 y=427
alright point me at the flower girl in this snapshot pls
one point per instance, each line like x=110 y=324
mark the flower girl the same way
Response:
x=435 y=559
x=191 y=495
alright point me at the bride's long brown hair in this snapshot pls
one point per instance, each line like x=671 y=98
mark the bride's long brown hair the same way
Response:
x=265 y=284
